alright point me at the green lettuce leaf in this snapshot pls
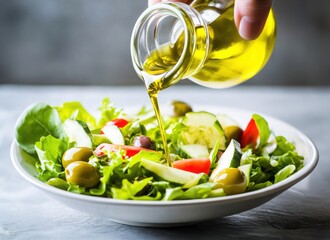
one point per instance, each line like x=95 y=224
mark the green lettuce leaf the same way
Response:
x=50 y=150
x=77 y=189
x=131 y=190
x=289 y=158
x=219 y=192
x=199 y=191
x=108 y=112
x=258 y=186
x=273 y=168
x=58 y=183
x=173 y=193
x=264 y=131
x=76 y=111
x=161 y=186
x=38 y=120
x=284 y=173
x=214 y=154
x=258 y=175
x=108 y=173
x=196 y=192
x=283 y=146
x=133 y=169
x=149 y=155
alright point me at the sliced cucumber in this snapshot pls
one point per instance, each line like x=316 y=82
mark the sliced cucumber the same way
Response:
x=77 y=133
x=187 y=179
x=113 y=133
x=246 y=169
x=203 y=128
x=195 y=150
x=199 y=119
x=230 y=158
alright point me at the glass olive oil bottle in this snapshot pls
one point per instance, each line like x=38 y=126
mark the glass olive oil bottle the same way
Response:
x=173 y=41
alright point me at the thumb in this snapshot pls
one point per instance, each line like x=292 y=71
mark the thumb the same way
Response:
x=250 y=17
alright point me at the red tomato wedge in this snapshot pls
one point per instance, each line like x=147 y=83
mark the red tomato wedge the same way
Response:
x=130 y=150
x=193 y=165
x=250 y=134
x=119 y=122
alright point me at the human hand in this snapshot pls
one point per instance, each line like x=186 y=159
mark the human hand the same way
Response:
x=250 y=15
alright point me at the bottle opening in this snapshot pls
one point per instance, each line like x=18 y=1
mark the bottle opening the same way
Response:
x=164 y=41
x=163 y=50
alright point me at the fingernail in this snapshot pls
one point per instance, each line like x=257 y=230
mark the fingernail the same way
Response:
x=152 y=2
x=249 y=28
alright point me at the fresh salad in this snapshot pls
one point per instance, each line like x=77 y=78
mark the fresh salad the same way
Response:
x=120 y=155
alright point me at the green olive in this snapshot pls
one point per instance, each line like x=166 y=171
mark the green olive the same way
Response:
x=82 y=174
x=232 y=180
x=233 y=132
x=180 y=108
x=76 y=154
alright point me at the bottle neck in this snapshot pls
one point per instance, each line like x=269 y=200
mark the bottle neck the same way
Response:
x=170 y=41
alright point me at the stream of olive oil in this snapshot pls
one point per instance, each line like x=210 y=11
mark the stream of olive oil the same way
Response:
x=154 y=102
x=153 y=89
x=231 y=60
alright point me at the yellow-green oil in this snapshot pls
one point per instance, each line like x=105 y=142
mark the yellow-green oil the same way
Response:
x=154 y=102
x=230 y=59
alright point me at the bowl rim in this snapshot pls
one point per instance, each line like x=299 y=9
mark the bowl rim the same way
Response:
x=308 y=167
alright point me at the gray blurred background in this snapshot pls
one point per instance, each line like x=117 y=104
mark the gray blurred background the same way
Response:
x=87 y=42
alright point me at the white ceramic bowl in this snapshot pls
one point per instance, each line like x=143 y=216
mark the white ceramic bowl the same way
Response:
x=181 y=212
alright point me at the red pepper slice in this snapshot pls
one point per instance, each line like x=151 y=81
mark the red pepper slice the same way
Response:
x=193 y=165
x=250 y=135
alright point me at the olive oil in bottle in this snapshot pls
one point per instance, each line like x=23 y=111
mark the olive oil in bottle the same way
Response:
x=173 y=41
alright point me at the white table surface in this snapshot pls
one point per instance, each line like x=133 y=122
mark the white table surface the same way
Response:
x=303 y=212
